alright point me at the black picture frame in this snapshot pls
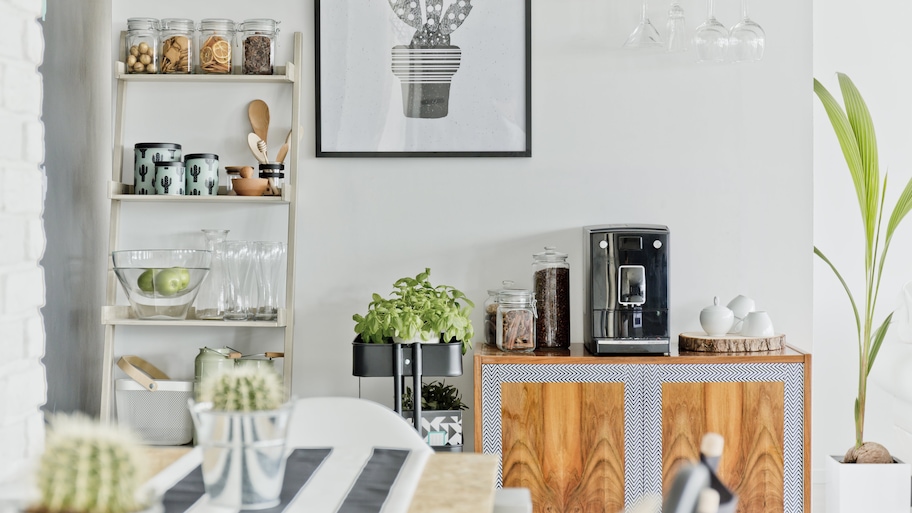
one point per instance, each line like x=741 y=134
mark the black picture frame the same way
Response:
x=373 y=100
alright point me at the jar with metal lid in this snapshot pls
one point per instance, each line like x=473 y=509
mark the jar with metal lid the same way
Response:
x=141 y=46
x=516 y=320
x=176 y=45
x=273 y=171
x=490 y=314
x=258 y=38
x=210 y=362
x=202 y=174
x=216 y=38
x=551 y=279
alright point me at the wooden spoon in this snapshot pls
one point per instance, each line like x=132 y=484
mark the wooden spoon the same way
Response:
x=280 y=156
x=258 y=113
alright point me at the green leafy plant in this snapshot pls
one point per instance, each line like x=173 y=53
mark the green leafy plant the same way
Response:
x=436 y=396
x=89 y=467
x=417 y=308
x=244 y=389
x=855 y=131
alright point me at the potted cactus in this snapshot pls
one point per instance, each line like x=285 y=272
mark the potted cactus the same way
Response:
x=241 y=424
x=89 y=467
x=427 y=64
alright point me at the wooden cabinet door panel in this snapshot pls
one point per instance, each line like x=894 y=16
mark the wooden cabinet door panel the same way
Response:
x=565 y=442
x=750 y=417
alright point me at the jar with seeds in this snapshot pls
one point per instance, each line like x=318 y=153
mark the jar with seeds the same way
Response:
x=176 y=45
x=216 y=36
x=141 y=46
x=259 y=45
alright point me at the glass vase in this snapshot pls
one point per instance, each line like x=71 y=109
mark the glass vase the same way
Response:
x=238 y=264
x=269 y=258
x=210 y=301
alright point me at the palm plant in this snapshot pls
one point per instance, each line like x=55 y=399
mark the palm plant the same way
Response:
x=855 y=131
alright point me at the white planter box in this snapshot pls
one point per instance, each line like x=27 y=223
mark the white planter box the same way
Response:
x=856 y=488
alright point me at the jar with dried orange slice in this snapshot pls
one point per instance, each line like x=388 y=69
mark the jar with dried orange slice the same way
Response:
x=216 y=36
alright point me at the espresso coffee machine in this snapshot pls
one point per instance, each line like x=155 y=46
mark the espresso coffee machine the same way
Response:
x=626 y=289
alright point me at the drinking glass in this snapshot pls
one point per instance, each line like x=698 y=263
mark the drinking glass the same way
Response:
x=711 y=38
x=238 y=263
x=210 y=301
x=645 y=34
x=747 y=39
x=677 y=32
x=269 y=257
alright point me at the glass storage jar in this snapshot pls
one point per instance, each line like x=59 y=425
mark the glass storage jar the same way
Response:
x=490 y=314
x=258 y=38
x=274 y=172
x=176 y=45
x=516 y=320
x=141 y=46
x=216 y=38
x=212 y=298
x=551 y=279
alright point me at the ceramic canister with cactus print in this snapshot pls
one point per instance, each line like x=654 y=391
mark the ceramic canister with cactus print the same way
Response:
x=169 y=178
x=145 y=155
x=202 y=174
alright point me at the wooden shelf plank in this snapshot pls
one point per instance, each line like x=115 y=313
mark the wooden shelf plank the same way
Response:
x=284 y=74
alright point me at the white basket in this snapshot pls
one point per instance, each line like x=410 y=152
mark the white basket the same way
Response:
x=157 y=410
x=160 y=417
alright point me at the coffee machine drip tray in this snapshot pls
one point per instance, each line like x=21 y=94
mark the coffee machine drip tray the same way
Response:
x=629 y=331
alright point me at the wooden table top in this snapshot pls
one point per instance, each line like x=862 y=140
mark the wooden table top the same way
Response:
x=578 y=354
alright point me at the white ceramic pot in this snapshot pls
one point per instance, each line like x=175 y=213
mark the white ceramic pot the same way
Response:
x=757 y=324
x=867 y=487
x=740 y=306
x=716 y=320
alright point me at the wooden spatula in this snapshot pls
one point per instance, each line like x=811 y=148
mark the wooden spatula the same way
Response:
x=258 y=113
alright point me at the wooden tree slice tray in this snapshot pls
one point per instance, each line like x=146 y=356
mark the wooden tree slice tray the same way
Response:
x=728 y=343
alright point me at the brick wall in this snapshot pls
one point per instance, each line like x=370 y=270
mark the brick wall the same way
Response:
x=23 y=386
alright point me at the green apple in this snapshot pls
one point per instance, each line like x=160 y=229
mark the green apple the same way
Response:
x=144 y=282
x=168 y=282
x=184 y=276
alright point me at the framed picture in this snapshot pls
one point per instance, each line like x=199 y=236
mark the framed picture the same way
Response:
x=423 y=78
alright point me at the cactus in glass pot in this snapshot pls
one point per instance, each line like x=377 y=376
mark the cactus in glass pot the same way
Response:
x=244 y=389
x=89 y=467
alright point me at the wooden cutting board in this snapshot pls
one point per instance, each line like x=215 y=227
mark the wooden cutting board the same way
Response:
x=728 y=343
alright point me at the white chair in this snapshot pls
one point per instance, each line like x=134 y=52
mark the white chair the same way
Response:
x=350 y=421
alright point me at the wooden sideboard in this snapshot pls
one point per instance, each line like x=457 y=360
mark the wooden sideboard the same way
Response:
x=594 y=433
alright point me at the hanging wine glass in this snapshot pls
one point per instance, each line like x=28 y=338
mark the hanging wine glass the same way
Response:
x=747 y=39
x=645 y=34
x=677 y=32
x=711 y=38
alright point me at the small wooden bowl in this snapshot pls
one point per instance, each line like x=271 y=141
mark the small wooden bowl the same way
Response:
x=250 y=186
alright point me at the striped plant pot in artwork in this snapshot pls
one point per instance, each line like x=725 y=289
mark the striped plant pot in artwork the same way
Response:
x=425 y=74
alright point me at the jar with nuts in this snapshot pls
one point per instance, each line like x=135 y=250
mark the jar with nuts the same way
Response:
x=176 y=45
x=142 y=45
x=215 y=42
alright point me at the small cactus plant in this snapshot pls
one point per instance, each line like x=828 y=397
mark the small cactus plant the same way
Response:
x=244 y=389
x=89 y=467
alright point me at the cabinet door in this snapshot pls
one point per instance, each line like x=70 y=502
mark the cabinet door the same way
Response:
x=569 y=433
x=757 y=408
x=565 y=442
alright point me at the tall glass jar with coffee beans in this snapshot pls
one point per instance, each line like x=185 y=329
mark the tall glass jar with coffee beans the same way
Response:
x=258 y=47
x=551 y=279
x=176 y=45
x=216 y=39
x=141 y=46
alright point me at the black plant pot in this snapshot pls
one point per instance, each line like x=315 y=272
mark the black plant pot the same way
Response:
x=380 y=360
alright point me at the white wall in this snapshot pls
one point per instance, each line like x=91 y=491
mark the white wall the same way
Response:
x=22 y=239
x=853 y=40
x=721 y=154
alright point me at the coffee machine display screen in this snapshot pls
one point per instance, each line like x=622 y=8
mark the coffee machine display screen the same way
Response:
x=630 y=243
x=632 y=284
